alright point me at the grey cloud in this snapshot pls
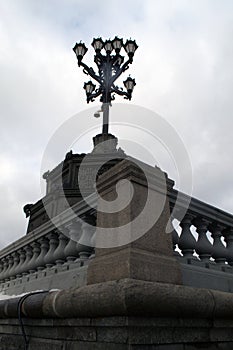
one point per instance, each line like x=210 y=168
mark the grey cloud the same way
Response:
x=183 y=69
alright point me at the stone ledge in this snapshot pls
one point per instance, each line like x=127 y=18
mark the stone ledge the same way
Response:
x=125 y=297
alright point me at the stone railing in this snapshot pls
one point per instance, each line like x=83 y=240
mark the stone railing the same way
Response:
x=57 y=246
x=57 y=253
x=206 y=237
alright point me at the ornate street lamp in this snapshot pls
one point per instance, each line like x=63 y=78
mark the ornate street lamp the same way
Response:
x=110 y=66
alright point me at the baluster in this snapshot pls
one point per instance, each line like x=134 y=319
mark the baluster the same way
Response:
x=22 y=257
x=187 y=242
x=36 y=251
x=5 y=267
x=26 y=265
x=44 y=247
x=1 y=270
x=203 y=246
x=219 y=250
x=175 y=240
x=59 y=253
x=13 y=270
x=74 y=232
x=84 y=245
x=10 y=262
x=228 y=235
x=53 y=243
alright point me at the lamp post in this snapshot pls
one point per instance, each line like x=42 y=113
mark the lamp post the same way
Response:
x=110 y=67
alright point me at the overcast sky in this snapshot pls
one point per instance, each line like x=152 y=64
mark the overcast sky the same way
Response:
x=183 y=69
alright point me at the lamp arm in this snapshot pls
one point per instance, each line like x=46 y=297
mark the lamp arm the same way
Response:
x=92 y=97
x=90 y=71
x=127 y=95
x=121 y=70
x=119 y=92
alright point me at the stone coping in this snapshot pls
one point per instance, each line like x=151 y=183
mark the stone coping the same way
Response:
x=199 y=208
x=126 y=297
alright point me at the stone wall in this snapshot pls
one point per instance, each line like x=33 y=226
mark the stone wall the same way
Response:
x=117 y=333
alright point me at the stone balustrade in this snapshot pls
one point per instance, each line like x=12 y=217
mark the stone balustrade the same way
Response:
x=65 y=243
x=206 y=237
x=205 y=240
